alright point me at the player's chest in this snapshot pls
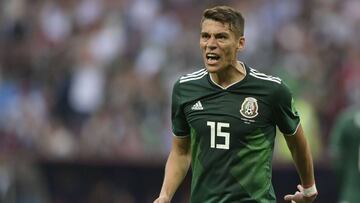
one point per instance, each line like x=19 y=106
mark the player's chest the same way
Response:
x=247 y=112
x=237 y=108
x=236 y=118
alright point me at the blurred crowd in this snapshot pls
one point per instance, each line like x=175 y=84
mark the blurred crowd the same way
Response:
x=92 y=79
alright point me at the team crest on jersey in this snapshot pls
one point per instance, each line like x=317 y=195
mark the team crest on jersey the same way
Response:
x=249 y=107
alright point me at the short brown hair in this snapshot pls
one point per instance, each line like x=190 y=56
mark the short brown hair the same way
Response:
x=226 y=14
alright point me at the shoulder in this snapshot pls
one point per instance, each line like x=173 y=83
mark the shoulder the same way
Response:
x=271 y=83
x=262 y=77
x=347 y=123
x=192 y=78
x=349 y=114
x=191 y=86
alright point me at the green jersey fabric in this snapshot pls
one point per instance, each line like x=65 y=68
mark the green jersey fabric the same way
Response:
x=232 y=134
x=345 y=147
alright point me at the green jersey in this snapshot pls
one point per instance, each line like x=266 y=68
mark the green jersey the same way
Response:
x=232 y=133
x=345 y=147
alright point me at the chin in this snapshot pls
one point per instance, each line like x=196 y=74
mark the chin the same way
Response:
x=212 y=69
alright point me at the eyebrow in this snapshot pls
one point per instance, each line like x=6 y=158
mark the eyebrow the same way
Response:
x=219 y=33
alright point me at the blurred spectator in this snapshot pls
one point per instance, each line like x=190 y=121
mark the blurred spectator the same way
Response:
x=92 y=78
x=345 y=151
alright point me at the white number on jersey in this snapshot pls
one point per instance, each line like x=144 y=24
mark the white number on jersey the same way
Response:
x=216 y=131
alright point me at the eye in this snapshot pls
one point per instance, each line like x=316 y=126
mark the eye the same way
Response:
x=205 y=36
x=221 y=37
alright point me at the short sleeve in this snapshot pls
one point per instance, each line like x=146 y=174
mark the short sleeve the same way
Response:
x=180 y=126
x=286 y=116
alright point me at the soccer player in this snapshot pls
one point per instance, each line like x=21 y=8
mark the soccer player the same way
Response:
x=224 y=118
x=345 y=149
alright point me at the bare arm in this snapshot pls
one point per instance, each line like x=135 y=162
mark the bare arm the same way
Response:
x=177 y=165
x=301 y=154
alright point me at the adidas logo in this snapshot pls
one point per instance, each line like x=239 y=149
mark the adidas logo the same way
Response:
x=197 y=106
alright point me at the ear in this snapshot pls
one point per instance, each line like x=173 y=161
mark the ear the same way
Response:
x=241 y=43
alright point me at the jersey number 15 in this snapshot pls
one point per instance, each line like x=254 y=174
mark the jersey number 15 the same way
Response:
x=216 y=131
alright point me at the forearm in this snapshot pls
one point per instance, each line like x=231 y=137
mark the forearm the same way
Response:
x=304 y=164
x=301 y=154
x=176 y=169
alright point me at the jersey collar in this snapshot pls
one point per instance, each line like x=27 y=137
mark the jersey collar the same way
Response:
x=237 y=82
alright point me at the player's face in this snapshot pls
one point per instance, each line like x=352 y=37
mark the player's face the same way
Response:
x=219 y=45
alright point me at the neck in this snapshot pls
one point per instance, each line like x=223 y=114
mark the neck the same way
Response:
x=229 y=75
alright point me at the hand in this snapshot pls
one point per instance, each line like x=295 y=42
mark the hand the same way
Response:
x=162 y=199
x=299 y=197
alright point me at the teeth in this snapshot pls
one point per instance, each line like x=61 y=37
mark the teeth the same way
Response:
x=211 y=55
x=211 y=59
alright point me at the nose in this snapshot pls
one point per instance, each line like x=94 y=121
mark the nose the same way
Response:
x=211 y=43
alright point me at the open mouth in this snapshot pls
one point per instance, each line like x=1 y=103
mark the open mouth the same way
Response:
x=212 y=58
